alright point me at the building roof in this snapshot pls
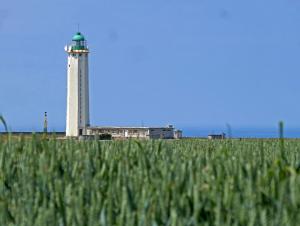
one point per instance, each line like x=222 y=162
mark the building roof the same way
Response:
x=127 y=127
x=78 y=37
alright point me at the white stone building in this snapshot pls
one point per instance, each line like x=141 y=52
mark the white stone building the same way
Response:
x=177 y=134
x=78 y=121
x=216 y=136
x=134 y=132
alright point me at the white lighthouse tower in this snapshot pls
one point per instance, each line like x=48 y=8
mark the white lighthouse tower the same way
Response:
x=78 y=87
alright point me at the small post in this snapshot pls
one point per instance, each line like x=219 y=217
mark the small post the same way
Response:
x=45 y=123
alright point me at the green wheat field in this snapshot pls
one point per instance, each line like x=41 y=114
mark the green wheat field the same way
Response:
x=127 y=183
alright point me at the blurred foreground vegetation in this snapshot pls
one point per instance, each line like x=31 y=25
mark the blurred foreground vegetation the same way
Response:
x=176 y=182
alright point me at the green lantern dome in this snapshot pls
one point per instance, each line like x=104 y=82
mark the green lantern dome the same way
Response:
x=78 y=37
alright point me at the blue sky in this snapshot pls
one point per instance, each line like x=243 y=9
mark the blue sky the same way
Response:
x=187 y=62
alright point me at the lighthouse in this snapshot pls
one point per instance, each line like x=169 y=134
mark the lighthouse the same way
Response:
x=77 y=87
